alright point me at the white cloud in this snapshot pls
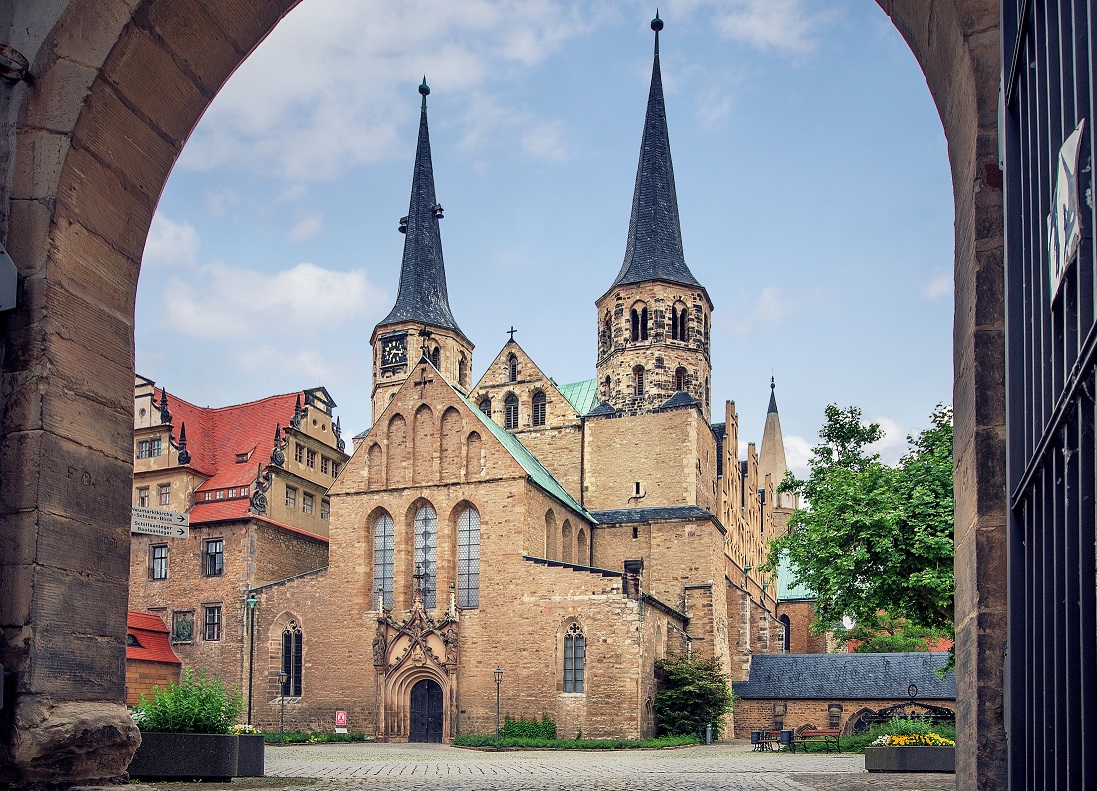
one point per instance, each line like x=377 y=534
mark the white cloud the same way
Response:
x=783 y=25
x=306 y=228
x=308 y=365
x=774 y=305
x=170 y=244
x=797 y=454
x=893 y=445
x=938 y=288
x=220 y=201
x=236 y=305
x=333 y=85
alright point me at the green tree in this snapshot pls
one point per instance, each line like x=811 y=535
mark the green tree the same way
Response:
x=888 y=634
x=875 y=542
x=692 y=694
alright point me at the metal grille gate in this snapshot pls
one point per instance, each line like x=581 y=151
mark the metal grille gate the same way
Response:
x=1051 y=342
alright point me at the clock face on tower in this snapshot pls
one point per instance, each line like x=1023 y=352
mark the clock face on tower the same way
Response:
x=394 y=350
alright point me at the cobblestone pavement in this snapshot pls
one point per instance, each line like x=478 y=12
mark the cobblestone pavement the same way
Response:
x=727 y=767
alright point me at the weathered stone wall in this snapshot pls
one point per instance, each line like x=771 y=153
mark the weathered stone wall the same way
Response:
x=281 y=553
x=757 y=714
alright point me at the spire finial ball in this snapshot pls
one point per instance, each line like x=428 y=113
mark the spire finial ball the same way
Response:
x=424 y=89
x=657 y=23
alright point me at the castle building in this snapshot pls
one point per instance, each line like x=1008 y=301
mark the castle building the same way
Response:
x=253 y=480
x=569 y=536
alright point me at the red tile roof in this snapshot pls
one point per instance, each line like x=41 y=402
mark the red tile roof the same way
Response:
x=215 y=437
x=151 y=634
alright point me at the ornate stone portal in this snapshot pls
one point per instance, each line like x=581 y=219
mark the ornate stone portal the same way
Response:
x=406 y=653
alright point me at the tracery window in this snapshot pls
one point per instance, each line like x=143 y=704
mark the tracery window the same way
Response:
x=468 y=559
x=539 y=401
x=426 y=552
x=512 y=368
x=575 y=658
x=293 y=645
x=384 y=557
x=510 y=412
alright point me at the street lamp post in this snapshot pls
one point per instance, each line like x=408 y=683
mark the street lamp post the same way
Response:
x=498 y=684
x=283 y=676
x=251 y=601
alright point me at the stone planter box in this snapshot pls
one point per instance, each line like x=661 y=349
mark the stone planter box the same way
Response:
x=913 y=758
x=251 y=756
x=193 y=756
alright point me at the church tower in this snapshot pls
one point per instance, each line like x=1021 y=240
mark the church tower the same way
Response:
x=421 y=322
x=654 y=321
x=772 y=468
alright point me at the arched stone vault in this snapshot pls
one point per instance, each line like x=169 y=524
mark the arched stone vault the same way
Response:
x=85 y=152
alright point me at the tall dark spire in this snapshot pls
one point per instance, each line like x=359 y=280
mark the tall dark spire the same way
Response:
x=422 y=295
x=772 y=398
x=654 y=247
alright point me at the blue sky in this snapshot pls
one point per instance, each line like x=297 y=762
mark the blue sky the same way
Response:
x=811 y=172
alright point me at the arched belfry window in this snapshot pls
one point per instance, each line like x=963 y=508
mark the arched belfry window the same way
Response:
x=485 y=406
x=607 y=333
x=638 y=380
x=436 y=357
x=293 y=642
x=539 y=408
x=575 y=658
x=678 y=323
x=680 y=379
x=468 y=559
x=426 y=553
x=510 y=412
x=606 y=384
x=634 y=317
x=644 y=324
x=384 y=557
x=463 y=371
x=512 y=368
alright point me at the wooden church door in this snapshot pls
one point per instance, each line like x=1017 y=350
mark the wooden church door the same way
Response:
x=426 y=712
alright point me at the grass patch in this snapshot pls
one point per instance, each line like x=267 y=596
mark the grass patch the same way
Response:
x=473 y=740
x=302 y=737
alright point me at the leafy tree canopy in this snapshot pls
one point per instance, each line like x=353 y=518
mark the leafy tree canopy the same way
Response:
x=874 y=542
x=692 y=694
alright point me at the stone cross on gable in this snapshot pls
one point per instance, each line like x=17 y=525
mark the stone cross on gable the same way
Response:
x=511 y=331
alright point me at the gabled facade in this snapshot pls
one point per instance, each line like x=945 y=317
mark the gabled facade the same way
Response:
x=253 y=479
x=570 y=535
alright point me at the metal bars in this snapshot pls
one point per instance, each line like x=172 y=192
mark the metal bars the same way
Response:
x=1051 y=349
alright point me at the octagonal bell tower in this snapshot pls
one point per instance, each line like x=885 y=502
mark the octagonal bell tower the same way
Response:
x=654 y=322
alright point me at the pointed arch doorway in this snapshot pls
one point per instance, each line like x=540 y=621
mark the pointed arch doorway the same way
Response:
x=426 y=712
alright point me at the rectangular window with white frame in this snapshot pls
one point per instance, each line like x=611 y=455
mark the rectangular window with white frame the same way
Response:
x=163 y=492
x=142 y=497
x=212 y=622
x=308 y=502
x=291 y=497
x=158 y=562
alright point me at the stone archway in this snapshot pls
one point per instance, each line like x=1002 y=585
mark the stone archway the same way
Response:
x=119 y=85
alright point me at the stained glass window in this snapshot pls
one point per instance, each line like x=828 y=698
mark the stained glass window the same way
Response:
x=468 y=559
x=426 y=552
x=384 y=546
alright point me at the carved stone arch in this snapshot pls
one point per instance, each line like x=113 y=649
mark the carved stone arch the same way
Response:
x=474 y=456
x=423 y=440
x=552 y=536
x=567 y=542
x=396 y=440
x=375 y=470
x=582 y=546
x=398 y=698
x=452 y=445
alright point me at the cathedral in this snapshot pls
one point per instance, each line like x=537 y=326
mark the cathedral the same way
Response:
x=514 y=537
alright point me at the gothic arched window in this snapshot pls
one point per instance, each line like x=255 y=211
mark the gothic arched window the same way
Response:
x=384 y=549
x=426 y=552
x=644 y=324
x=462 y=371
x=539 y=401
x=436 y=357
x=786 y=633
x=468 y=559
x=292 y=654
x=634 y=335
x=638 y=380
x=575 y=658
x=510 y=412
x=680 y=379
x=512 y=368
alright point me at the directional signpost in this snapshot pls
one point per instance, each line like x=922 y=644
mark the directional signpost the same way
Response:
x=154 y=522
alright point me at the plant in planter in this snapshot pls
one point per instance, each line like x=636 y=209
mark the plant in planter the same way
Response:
x=911 y=746
x=186 y=732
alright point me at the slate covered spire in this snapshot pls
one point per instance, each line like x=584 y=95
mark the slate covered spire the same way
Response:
x=422 y=296
x=772 y=398
x=654 y=247
x=771 y=456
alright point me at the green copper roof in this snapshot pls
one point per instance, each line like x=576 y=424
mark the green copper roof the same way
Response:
x=581 y=395
x=788 y=587
x=537 y=473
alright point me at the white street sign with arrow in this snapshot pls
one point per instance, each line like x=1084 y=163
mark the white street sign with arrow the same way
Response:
x=154 y=522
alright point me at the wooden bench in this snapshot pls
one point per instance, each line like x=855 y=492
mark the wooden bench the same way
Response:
x=826 y=736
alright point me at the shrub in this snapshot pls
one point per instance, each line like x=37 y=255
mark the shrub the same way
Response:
x=474 y=740
x=693 y=694
x=305 y=737
x=197 y=704
x=522 y=728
